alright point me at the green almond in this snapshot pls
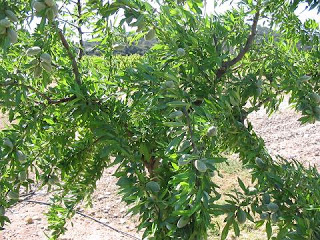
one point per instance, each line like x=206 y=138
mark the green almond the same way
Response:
x=153 y=186
x=39 y=6
x=33 y=51
x=45 y=57
x=12 y=35
x=46 y=66
x=150 y=35
x=50 y=3
x=11 y=16
x=200 y=166
x=183 y=221
x=241 y=216
x=5 y=23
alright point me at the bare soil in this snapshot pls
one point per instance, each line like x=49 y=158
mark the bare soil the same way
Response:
x=282 y=133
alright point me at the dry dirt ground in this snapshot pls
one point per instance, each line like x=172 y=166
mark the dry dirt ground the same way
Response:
x=282 y=133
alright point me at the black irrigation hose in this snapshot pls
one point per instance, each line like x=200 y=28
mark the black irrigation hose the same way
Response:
x=91 y=218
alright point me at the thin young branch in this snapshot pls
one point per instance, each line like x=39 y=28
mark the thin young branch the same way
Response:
x=80 y=21
x=13 y=83
x=50 y=101
x=75 y=68
x=226 y=65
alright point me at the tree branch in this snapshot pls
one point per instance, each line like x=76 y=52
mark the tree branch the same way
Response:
x=50 y=101
x=75 y=68
x=226 y=65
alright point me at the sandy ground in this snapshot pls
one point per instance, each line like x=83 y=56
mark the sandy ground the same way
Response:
x=282 y=133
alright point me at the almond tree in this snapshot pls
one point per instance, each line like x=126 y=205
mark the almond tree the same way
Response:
x=166 y=119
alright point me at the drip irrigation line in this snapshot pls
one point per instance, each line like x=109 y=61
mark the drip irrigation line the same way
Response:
x=89 y=217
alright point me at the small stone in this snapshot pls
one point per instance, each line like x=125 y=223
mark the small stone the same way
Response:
x=29 y=220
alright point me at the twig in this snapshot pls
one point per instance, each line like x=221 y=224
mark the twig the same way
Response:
x=87 y=216
x=226 y=65
x=13 y=83
x=50 y=101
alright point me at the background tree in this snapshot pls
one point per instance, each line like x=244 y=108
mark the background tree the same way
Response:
x=166 y=119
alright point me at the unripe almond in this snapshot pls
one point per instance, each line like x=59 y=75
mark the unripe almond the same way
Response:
x=141 y=26
x=12 y=35
x=264 y=216
x=273 y=207
x=13 y=195
x=3 y=30
x=55 y=10
x=260 y=163
x=45 y=57
x=33 y=51
x=50 y=15
x=118 y=47
x=34 y=62
x=11 y=16
x=7 y=142
x=153 y=186
x=266 y=198
x=183 y=221
x=241 y=216
x=315 y=97
x=184 y=145
x=176 y=114
x=316 y=111
x=212 y=131
x=304 y=78
x=21 y=156
x=50 y=3
x=37 y=71
x=39 y=6
x=274 y=217
x=169 y=84
x=46 y=66
x=53 y=179
x=150 y=35
x=22 y=176
x=5 y=23
x=181 y=52
x=200 y=166
x=184 y=159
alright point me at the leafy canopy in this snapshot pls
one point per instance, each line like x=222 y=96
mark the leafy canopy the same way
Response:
x=166 y=119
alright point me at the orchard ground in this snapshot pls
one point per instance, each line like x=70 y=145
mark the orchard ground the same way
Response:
x=281 y=131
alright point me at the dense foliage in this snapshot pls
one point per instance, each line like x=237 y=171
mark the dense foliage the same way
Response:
x=166 y=119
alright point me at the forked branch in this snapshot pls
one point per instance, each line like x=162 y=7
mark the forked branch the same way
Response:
x=226 y=65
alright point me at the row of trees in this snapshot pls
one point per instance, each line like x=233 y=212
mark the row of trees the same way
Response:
x=166 y=119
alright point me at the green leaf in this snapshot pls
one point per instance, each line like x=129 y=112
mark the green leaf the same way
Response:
x=236 y=228
x=269 y=229
x=173 y=124
x=178 y=104
x=174 y=143
x=226 y=229
x=241 y=184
